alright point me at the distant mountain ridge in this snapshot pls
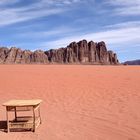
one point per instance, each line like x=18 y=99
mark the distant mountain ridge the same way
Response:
x=133 y=62
x=82 y=52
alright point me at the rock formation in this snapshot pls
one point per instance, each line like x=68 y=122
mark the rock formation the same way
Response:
x=82 y=52
x=18 y=56
x=132 y=62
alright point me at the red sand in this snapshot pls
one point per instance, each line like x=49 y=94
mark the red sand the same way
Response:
x=80 y=102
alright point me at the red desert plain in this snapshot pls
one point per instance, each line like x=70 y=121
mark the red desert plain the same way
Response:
x=80 y=102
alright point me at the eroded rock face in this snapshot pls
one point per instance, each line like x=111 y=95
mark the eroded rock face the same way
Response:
x=55 y=56
x=11 y=55
x=93 y=55
x=102 y=52
x=82 y=52
x=39 y=57
x=18 y=56
x=112 y=58
x=3 y=53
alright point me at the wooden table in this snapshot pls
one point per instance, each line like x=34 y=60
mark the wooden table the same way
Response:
x=23 y=122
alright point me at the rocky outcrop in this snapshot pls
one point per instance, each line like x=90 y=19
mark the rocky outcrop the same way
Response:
x=82 y=52
x=18 y=56
x=3 y=54
x=132 y=62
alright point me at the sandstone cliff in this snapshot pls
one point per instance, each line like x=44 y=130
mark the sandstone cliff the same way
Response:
x=82 y=52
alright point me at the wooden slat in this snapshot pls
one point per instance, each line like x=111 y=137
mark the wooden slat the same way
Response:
x=24 y=122
x=20 y=108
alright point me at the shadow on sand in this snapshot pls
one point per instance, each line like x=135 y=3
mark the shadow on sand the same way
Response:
x=3 y=128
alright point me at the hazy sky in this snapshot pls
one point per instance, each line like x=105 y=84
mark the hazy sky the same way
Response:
x=45 y=24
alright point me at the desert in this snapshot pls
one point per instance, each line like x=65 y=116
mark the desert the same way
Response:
x=69 y=70
x=80 y=102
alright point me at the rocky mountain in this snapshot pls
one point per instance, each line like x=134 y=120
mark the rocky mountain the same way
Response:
x=82 y=52
x=133 y=62
x=18 y=56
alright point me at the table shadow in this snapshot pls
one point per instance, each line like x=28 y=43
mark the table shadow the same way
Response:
x=3 y=128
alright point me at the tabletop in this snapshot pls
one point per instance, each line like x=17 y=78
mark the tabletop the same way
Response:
x=33 y=102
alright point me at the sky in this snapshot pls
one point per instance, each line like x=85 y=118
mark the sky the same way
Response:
x=48 y=24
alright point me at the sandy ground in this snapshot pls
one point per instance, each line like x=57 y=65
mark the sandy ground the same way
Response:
x=79 y=102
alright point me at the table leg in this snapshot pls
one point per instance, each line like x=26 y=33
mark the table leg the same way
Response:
x=33 y=120
x=7 y=119
x=39 y=115
x=15 y=114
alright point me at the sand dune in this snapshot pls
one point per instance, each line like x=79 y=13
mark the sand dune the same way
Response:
x=80 y=102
